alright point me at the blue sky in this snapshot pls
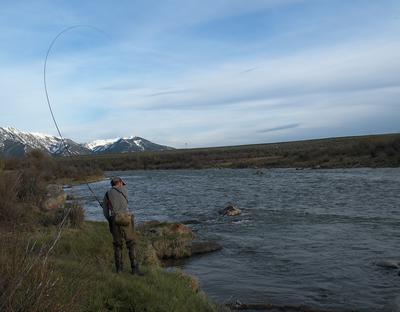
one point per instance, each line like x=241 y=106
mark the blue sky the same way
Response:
x=203 y=73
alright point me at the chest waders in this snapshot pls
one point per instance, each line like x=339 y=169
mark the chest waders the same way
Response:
x=120 y=234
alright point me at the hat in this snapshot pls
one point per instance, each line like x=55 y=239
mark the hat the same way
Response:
x=115 y=180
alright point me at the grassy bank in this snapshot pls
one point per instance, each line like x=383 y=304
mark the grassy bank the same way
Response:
x=78 y=276
x=52 y=260
x=85 y=257
x=347 y=152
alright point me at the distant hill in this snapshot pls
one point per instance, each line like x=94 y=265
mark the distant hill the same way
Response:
x=345 y=152
x=15 y=143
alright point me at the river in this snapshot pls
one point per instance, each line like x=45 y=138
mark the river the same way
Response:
x=305 y=237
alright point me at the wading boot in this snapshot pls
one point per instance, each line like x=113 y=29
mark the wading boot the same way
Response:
x=118 y=259
x=134 y=263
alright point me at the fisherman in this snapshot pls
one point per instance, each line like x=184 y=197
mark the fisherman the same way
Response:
x=121 y=224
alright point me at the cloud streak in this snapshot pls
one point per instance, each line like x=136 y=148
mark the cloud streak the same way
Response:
x=283 y=127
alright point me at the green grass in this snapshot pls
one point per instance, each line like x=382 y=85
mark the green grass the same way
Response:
x=78 y=274
x=102 y=290
x=84 y=258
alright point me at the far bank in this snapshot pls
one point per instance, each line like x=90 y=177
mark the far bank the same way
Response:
x=375 y=151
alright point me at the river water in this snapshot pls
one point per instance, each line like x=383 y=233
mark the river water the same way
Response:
x=305 y=237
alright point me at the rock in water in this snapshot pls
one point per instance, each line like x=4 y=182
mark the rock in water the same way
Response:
x=172 y=240
x=191 y=221
x=231 y=210
x=204 y=247
x=180 y=228
x=389 y=264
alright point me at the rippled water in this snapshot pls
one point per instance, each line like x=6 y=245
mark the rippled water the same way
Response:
x=307 y=237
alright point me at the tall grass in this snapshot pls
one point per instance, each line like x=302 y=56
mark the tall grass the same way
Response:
x=67 y=265
x=88 y=253
x=27 y=278
x=28 y=282
x=76 y=215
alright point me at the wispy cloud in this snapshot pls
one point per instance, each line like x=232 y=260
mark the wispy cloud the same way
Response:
x=284 y=127
x=125 y=86
x=349 y=68
x=204 y=72
x=169 y=92
x=248 y=70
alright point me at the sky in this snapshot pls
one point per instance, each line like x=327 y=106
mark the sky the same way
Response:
x=199 y=73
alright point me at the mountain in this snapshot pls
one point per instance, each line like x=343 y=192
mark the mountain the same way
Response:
x=15 y=143
x=124 y=145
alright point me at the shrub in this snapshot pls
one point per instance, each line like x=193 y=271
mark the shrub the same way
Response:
x=76 y=214
x=31 y=186
x=10 y=209
x=48 y=168
x=27 y=281
x=302 y=156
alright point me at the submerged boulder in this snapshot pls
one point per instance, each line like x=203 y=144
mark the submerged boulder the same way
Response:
x=230 y=210
x=197 y=248
x=389 y=264
x=191 y=221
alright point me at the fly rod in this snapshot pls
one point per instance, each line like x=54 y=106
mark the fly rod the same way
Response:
x=63 y=142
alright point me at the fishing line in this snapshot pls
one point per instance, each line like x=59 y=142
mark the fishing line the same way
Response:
x=64 y=144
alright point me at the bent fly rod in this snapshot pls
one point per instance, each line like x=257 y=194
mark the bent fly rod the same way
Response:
x=63 y=142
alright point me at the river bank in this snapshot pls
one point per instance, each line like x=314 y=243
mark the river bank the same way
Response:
x=52 y=260
x=84 y=258
x=68 y=182
x=375 y=151
x=72 y=269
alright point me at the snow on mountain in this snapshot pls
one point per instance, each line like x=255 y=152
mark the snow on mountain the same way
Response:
x=100 y=143
x=14 y=139
x=104 y=144
x=14 y=142
x=124 y=145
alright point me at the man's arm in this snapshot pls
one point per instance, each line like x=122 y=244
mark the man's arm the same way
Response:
x=106 y=211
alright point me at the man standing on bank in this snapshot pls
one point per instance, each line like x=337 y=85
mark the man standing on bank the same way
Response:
x=121 y=223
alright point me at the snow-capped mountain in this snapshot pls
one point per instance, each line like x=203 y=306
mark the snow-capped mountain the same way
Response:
x=100 y=144
x=124 y=145
x=15 y=143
